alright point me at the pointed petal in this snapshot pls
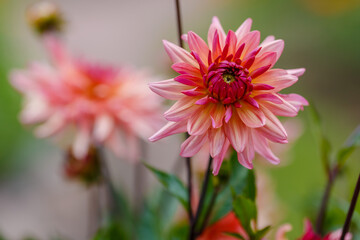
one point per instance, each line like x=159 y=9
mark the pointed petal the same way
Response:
x=192 y=145
x=82 y=142
x=295 y=100
x=169 y=89
x=169 y=129
x=276 y=46
x=199 y=122
x=277 y=78
x=218 y=159
x=178 y=54
x=245 y=157
x=273 y=129
x=251 y=40
x=296 y=72
x=217 y=140
x=53 y=125
x=182 y=109
x=243 y=29
x=266 y=59
x=236 y=131
x=251 y=116
x=216 y=26
x=217 y=114
x=198 y=45
x=186 y=68
x=262 y=147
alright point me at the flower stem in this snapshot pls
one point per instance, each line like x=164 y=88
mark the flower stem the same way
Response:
x=325 y=199
x=351 y=210
x=179 y=25
x=192 y=234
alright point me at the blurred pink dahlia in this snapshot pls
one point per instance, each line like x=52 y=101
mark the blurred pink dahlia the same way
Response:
x=311 y=235
x=227 y=94
x=100 y=104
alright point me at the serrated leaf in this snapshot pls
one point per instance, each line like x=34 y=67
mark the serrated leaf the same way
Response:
x=245 y=210
x=172 y=184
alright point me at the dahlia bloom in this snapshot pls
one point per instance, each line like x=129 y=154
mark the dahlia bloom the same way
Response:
x=311 y=235
x=227 y=94
x=99 y=104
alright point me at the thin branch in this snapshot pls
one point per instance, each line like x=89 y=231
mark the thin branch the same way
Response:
x=351 y=210
x=179 y=24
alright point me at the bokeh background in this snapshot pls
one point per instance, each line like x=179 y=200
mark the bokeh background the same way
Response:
x=321 y=35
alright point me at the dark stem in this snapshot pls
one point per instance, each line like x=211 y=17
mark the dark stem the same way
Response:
x=109 y=187
x=94 y=214
x=179 y=25
x=208 y=211
x=351 y=210
x=192 y=234
x=325 y=200
x=189 y=180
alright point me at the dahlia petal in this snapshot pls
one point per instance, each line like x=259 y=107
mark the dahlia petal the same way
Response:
x=189 y=80
x=53 y=125
x=178 y=54
x=267 y=40
x=281 y=109
x=82 y=142
x=278 y=78
x=228 y=114
x=266 y=59
x=295 y=100
x=198 y=45
x=296 y=72
x=193 y=92
x=186 y=68
x=184 y=37
x=216 y=48
x=199 y=122
x=182 y=109
x=21 y=81
x=259 y=71
x=192 y=145
x=251 y=40
x=273 y=129
x=168 y=89
x=169 y=129
x=262 y=86
x=203 y=101
x=252 y=102
x=217 y=141
x=236 y=132
x=217 y=115
x=103 y=126
x=231 y=42
x=269 y=97
x=276 y=46
x=243 y=29
x=245 y=157
x=261 y=146
x=218 y=159
x=251 y=116
x=216 y=27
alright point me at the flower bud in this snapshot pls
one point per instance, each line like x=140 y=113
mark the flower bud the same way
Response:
x=45 y=17
x=86 y=170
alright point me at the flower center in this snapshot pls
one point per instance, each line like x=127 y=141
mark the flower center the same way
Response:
x=228 y=82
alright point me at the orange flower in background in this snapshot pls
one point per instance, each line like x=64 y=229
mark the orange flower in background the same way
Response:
x=99 y=104
x=228 y=94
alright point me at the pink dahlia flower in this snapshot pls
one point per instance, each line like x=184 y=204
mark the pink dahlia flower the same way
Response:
x=100 y=104
x=227 y=94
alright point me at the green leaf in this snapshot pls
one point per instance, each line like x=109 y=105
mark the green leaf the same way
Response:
x=245 y=211
x=250 y=186
x=262 y=232
x=172 y=184
x=351 y=144
x=235 y=235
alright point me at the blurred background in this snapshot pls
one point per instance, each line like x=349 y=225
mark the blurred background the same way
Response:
x=321 y=35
